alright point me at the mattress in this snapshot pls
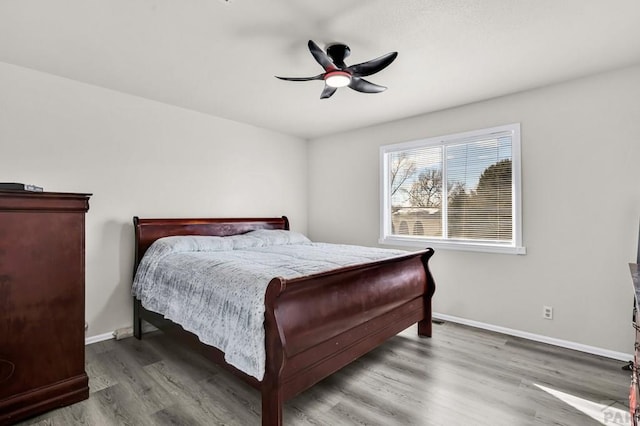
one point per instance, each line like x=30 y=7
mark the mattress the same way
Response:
x=214 y=287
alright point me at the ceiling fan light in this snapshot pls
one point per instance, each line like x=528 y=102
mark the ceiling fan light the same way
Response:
x=337 y=79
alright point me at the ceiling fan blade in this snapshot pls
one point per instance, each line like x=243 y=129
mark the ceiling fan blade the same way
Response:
x=373 y=66
x=316 y=77
x=328 y=91
x=364 y=86
x=321 y=57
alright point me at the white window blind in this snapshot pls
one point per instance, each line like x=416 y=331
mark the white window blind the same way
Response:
x=455 y=191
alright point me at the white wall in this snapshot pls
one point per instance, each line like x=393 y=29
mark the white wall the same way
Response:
x=581 y=207
x=139 y=157
x=581 y=198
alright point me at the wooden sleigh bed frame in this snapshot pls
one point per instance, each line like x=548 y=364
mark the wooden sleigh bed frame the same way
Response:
x=314 y=325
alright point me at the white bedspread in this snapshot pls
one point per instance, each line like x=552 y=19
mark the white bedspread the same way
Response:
x=215 y=286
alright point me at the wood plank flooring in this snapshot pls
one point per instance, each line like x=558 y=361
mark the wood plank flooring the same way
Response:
x=461 y=376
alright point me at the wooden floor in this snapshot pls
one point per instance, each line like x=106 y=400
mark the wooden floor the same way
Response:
x=461 y=376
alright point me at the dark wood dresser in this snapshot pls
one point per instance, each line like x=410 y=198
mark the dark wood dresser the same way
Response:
x=41 y=302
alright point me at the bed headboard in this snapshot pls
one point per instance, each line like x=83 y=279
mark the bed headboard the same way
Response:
x=149 y=230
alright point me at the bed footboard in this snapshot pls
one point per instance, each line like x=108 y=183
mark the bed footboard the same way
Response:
x=316 y=325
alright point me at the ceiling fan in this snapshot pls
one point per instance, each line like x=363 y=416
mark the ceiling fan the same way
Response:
x=338 y=74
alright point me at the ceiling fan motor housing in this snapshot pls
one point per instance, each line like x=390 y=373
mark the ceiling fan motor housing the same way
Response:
x=338 y=52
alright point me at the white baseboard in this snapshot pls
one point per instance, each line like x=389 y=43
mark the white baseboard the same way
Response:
x=121 y=333
x=98 y=338
x=621 y=356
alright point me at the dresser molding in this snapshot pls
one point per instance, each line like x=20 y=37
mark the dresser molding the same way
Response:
x=46 y=398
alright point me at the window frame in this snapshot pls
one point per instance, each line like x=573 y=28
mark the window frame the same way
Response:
x=516 y=244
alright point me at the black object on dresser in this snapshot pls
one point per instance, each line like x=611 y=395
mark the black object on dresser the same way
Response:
x=41 y=302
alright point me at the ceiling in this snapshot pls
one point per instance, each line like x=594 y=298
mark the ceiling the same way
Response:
x=220 y=57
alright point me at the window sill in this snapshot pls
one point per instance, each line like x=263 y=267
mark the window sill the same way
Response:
x=453 y=245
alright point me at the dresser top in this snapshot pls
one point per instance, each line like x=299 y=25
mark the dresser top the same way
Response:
x=44 y=201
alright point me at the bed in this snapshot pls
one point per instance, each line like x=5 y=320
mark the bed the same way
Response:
x=313 y=325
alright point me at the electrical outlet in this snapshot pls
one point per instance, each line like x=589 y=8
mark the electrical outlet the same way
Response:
x=547 y=312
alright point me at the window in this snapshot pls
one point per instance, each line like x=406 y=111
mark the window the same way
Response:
x=457 y=191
